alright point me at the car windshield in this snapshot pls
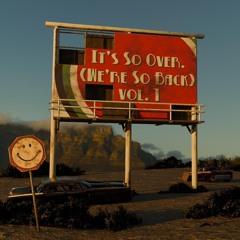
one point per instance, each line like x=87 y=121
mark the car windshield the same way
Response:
x=39 y=188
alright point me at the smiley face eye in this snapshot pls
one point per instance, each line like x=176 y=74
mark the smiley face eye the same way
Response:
x=30 y=145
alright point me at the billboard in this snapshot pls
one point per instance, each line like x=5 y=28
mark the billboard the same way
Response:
x=126 y=75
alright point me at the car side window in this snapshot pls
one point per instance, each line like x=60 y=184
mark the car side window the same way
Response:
x=69 y=188
x=53 y=188
x=82 y=187
x=74 y=187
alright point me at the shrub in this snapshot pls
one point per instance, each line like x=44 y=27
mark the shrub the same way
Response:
x=3 y=213
x=180 y=188
x=236 y=168
x=236 y=163
x=198 y=211
x=17 y=213
x=70 y=214
x=184 y=188
x=224 y=203
x=170 y=162
x=221 y=162
x=13 y=172
x=115 y=220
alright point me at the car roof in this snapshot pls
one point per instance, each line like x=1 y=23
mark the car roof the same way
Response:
x=63 y=180
x=68 y=180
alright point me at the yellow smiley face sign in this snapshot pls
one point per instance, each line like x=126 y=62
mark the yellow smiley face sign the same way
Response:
x=27 y=153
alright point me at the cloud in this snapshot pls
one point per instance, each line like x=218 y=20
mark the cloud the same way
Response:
x=45 y=124
x=149 y=147
x=153 y=149
x=5 y=118
x=159 y=154
x=38 y=124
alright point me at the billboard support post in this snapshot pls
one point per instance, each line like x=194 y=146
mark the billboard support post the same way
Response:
x=194 y=150
x=128 y=136
x=52 y=167
x=52 y=164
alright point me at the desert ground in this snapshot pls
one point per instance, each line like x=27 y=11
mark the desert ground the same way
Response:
x=162 y=214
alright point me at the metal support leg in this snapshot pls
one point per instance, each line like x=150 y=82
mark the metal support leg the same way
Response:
x=128 y=137
x=52 y=165
x=194 y=157
x=194 y=150
x=54 y=123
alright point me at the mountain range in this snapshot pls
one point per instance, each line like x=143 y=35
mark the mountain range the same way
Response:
x=90 y=147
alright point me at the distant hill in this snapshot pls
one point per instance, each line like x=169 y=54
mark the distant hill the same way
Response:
x=90 y=147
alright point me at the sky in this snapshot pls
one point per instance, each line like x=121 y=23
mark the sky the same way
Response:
x=26 y=63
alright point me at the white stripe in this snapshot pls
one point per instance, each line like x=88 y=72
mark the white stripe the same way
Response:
x=191 y=44
x=76 y=92
x=55 y=96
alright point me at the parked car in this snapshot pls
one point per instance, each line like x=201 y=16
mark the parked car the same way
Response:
x=210 y=175
x=60 y=189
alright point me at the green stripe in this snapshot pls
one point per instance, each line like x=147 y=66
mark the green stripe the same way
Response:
x=66 y=82
x=69 y=92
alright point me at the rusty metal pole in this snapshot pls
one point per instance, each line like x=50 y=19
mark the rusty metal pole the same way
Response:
x=52 y=165
x=34 y=200
x=194 y=150
x=128 y=136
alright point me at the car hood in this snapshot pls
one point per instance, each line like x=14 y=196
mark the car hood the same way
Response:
x=20 y=190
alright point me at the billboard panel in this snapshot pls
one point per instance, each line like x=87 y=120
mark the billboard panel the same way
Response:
x=148 y=74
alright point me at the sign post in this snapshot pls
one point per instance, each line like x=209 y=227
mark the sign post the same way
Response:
x=34 y=200
x=27 y=153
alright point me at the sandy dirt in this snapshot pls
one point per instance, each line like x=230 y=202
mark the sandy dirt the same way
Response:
x=162 y=214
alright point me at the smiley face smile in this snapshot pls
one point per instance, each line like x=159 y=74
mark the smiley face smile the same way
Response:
x=27 y=160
